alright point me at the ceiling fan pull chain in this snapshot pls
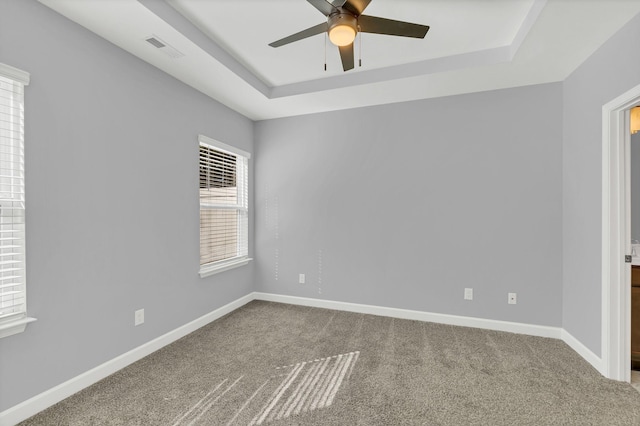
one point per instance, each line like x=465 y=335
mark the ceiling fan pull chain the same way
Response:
x=359 y=46
x=325 y=51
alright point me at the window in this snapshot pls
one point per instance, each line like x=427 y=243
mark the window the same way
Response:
x=224 y=206
x=13 y=300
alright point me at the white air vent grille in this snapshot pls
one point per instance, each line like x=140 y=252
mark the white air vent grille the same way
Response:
x=171 y=52
x=155 y=42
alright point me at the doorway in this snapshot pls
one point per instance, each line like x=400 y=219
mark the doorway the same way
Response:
x=616 y=237
x=634 y=231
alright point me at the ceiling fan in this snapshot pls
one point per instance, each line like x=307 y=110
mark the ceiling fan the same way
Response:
x=345 y=20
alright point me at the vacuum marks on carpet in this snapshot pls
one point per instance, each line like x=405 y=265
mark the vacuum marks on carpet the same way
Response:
x=314 y=385
x=196 y=412
x=293 y=390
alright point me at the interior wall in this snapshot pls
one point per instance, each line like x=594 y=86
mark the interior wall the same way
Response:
x=112 y=201
x=405 y=205
x=611 y=71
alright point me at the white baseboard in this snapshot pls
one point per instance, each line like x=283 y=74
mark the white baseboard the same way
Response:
x=513 y=327
x=56 y=394
x=583 y=351
x=34 y=405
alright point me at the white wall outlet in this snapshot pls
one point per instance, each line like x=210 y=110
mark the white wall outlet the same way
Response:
x=139 y=317
x=512 y=299
x=301 y=278
x=468 y=294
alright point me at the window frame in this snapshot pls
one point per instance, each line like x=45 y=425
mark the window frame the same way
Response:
x=215 y=267
x=16 y=322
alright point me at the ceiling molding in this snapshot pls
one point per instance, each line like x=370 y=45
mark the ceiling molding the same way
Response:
x=526 y=26
x=414 y=69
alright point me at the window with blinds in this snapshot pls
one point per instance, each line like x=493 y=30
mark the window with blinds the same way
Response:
x=224 y=205
x=13 y=303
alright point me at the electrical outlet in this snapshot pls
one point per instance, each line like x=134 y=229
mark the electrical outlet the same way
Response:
x=301 y=278
x=139 y=317
x=468 y=294
x=512 y=299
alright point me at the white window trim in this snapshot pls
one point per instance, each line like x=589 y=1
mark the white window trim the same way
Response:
x=14 y=74
x=223 y=146
x=224 y=265
x=18 y=324
x=209 y=269
x=14 y=326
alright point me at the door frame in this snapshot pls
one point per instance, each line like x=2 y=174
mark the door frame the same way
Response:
x=616 y=238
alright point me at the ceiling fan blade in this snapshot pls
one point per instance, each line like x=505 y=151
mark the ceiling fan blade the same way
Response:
x=317 y=29
x=372 y=24
x=323 y=6
x=356 y=6
x=346 y=54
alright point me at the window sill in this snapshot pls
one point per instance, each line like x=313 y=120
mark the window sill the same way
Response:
x=207 y=270
x=14 y=327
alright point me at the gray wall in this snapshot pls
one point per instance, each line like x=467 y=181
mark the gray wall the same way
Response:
x=405 y=205
x=112 y=200
x=610 y=71
x=635 y=186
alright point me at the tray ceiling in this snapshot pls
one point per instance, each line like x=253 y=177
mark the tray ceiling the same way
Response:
x=473 y=45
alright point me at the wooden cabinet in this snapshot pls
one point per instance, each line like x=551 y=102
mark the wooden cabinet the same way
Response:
x=635 y=276
x=635 y=316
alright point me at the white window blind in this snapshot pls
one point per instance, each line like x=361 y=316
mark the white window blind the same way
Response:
x=13 y=303
x=224 y=204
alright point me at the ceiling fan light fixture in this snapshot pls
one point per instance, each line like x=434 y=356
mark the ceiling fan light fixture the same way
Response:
x=342 y=29
x=342 y=35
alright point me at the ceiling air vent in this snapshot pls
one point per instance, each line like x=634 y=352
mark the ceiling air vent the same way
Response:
x=155 y=42
x=164 y=47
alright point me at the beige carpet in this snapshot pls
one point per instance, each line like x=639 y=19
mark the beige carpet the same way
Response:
x=270 y=363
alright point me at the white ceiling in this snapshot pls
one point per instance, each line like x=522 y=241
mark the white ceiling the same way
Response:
x=472 y=45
